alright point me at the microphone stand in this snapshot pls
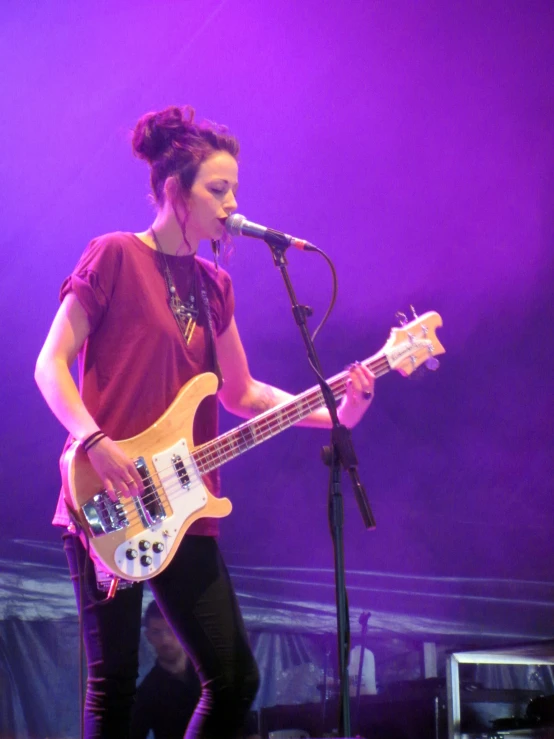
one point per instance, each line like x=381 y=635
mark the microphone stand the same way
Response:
x=339 y=452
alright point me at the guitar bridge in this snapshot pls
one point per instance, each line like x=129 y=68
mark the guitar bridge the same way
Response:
x=104 y=515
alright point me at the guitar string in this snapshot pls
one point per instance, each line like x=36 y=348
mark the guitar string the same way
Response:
x=219 y=449
x=202 y=457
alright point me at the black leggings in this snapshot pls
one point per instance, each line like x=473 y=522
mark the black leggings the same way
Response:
x=196 y=595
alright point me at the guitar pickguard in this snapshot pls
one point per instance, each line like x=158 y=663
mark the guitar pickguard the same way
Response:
x=142 y=555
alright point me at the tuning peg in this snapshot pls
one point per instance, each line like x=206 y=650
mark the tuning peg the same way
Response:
x=413 y=311
x=402 y=317
x=432 y=364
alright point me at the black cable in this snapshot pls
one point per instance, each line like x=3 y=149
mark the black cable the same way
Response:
x=333 y=296
x=80 y=581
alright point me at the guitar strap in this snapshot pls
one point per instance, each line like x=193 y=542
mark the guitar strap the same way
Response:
x=211 y=331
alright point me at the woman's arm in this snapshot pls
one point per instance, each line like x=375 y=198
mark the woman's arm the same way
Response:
x=246 y=397
x=68 y=333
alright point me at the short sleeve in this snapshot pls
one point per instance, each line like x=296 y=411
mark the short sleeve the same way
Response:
x=93 y=279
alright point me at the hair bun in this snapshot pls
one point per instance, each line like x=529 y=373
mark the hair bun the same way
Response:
x=155 y=133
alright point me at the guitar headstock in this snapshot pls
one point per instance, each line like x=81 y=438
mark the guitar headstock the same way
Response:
x=414 y=343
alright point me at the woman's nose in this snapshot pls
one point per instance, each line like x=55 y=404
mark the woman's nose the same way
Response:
x=230 y=203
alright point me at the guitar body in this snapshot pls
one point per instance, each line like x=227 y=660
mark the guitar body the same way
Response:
x=138 y=539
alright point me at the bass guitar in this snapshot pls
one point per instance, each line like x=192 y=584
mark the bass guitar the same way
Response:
x=135 y=538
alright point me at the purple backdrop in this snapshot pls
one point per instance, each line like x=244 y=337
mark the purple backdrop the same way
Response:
x=415 y=144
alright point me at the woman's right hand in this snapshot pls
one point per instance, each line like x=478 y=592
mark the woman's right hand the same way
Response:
x=115 y=469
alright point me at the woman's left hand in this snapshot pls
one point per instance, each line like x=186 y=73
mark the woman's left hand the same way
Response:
x=360 y=389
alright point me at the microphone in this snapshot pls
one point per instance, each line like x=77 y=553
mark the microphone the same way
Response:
x=237 y=225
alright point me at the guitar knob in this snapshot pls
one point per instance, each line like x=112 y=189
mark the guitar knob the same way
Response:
x=145 y=560
x=144 y=545
x=131 y=554
x=158 y=547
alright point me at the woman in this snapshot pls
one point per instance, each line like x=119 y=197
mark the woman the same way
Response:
x=143 y=314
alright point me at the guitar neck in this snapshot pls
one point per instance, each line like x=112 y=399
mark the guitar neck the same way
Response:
x=215 y=453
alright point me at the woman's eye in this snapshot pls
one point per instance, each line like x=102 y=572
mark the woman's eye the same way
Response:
x=217 y=191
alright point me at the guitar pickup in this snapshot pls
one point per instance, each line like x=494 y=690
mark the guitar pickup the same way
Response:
x=148 y=504
x=180 y=470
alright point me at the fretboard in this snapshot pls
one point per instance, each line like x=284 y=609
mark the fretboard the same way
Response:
x=215 y=453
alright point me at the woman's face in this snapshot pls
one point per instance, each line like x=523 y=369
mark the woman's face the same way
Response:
x=212 y=198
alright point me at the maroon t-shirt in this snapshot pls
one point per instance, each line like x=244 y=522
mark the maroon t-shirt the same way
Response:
x=135 y=361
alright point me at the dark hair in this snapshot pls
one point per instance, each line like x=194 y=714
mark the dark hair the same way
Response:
x=153 y=611
x=174 y=144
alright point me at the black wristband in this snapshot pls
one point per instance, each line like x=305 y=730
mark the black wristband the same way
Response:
x=91 y=440
x=94 y=442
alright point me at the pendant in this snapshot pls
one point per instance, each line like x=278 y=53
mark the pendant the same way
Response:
x=186 y=315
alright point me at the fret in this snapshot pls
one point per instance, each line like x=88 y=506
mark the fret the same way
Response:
x=248 y=436
x=242 y=438
x=215 y=453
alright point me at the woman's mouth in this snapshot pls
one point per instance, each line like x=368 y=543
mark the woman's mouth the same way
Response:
x=222 y=222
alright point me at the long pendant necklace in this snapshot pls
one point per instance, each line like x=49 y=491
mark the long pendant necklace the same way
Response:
x=186 y=314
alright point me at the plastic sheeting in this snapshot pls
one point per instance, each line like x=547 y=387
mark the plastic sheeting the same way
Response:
x=290 y=616
x=34 y=585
